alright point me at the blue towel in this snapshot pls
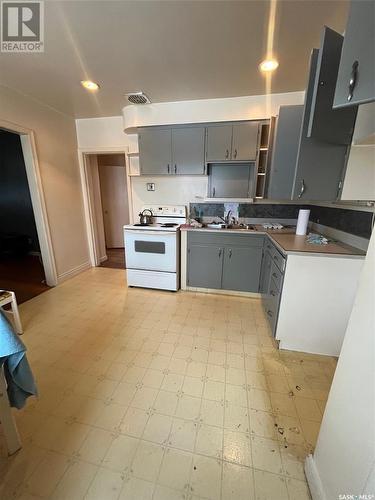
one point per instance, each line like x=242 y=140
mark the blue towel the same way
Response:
x=20 y=380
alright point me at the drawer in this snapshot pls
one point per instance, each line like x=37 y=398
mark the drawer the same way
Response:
x=277 y=257
x=225 y=238
x=271 y=313
x=276 y=275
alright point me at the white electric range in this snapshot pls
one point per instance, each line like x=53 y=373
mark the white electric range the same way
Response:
x=152 y=252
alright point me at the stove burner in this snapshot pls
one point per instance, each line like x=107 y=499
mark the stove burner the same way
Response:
x=168 y=224
x=141 y=224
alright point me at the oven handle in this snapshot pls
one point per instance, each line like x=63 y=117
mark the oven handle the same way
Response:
x=150 y=233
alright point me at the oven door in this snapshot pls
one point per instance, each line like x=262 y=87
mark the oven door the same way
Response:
x=151 y=250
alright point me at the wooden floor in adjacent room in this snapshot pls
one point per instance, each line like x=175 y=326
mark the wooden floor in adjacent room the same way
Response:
x=23 y=275
x=116 y=258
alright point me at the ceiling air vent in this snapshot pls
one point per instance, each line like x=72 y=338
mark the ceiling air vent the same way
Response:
x=137 y=98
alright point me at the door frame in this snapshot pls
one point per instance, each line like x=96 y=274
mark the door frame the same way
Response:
x=34 y=180
x=87 y=197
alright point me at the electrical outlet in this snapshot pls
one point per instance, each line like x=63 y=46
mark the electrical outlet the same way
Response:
x=150 y=186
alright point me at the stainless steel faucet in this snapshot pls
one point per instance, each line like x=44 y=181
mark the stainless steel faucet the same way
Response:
x=226 y=218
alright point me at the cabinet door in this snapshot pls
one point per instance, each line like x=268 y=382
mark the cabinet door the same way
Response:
x=219 y=142
x=265 y=273
x=188 y=151
x=241 y=268
x=231 y=180
x=320 y=164
x=245 y=141
x=205 y=265
x=155 y=150
x=284 y=153
x=327 y=124
x=357 y=57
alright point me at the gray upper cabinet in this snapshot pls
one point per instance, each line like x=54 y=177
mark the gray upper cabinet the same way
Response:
x=355 y=81
x=205 y=263
x=302 y=167
x=284 y=154
x=155 y=151
x=325 y=123
x=219 y=142
x=320 y=165
x=245 y=141
x=188 y=151
x=241 y=268
x=231 y=180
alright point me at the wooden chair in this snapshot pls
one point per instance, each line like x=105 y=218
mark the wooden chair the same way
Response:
x=7 y=297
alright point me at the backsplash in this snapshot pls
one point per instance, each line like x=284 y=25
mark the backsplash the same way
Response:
x=355 y=222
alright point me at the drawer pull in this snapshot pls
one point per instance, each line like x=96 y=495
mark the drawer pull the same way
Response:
x=274 y=275
x=269 y=313
x=220 y=250
x=273 y=293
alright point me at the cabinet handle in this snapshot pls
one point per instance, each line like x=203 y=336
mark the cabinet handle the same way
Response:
x=227 y=154
x=235 y=154
x=220 y=251
x=303 y=187
x=274 y=275
x=175 y=169
x=272 y=293
x=213 y=192
x=269 y=313
x=353 y=80
x=230 y=253
x=168 y=168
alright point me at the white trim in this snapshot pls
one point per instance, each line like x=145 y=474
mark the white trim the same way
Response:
x=95 y=259
x=103 y=258
x=219 y=291
x=37 y=198
x=73 y=272
x=313 y=479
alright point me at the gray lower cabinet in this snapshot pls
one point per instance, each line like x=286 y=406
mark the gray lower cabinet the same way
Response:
x=241 y=268
x=188 y=151
x=205 y=264
x=155 y=151
x=245 y=141
x=224 y=261
x=219 y=142
x=355 y=81
x=272 y=276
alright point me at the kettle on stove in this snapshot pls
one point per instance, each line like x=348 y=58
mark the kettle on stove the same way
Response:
x=144 y=218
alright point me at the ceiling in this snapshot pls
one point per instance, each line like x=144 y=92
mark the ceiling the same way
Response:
x=171 y=50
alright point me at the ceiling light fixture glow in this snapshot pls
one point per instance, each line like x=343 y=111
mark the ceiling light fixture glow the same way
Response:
x=268 y=65
x=89 y=85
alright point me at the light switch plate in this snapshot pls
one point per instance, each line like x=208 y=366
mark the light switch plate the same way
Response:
x=150 y=186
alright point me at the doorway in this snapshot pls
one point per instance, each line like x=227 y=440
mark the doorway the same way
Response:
x=109 y=202
x=21 y=265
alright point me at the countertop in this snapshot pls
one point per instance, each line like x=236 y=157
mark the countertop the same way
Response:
x=288 y=242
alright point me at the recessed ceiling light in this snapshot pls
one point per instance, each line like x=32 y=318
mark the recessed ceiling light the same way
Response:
x=268 y=65
x=89 y=85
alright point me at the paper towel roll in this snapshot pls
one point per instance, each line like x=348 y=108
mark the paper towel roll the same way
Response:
x=302 y=222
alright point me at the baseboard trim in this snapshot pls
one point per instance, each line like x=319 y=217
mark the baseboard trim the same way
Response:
x=103 y=258
x=217 y=291
x=313 y=479
x=73 y=272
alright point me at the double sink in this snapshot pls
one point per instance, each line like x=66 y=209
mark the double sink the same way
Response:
x=237 y=227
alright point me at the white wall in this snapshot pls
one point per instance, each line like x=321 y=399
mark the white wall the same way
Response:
x=56 y=145
x=207 y=110
x=168 y=190
x=359 y=183
x=344 y=458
